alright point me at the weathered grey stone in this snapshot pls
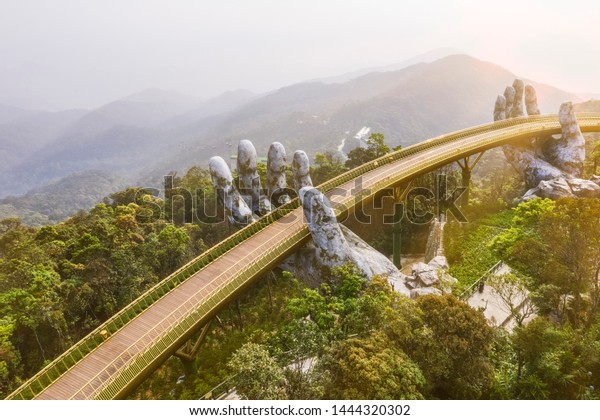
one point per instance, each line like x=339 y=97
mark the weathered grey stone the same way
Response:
x=333 y=245
x=249 y=181
x=522 y=156
x=531 y=168
x=237 y=209
x=435 y=241
x=434 y=274
x=509 y=94
x=276 y=181
x=429 y=278
x=584 y=188
x=552 y=189
x=500 y=108
x=595 y=179
x=564 y=187
x=426 y=275
x=531 y=103
x=568 y=152
x=419 y=267
x=411 y=282
x=549 y=165
x=301 y=170
x=424 y=291
x=373 y=263
x=439 y=262
x=332 y=248
x=517 y=107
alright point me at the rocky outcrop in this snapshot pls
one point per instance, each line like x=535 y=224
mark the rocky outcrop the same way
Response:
x=333 y=245
x=550 y=166
x=430 y=278
x=372 y=262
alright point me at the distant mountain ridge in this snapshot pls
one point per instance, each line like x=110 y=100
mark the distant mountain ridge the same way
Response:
x=427 y=57
x=408 y=105
x=54 y=202
x=146 y=135
x=10 y=113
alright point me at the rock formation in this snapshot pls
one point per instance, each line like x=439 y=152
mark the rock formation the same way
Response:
x=531 y=101
x=332 y=247
x=238 y=211
x=249 y=181
x=433 y=274
x=517 y=105
x=431 y=277
x=551 y=166
x=301 y=170
x=568 y=152
x=332 y=244
x=276 y=182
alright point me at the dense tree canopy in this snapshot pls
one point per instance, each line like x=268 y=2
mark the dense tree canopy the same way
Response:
x=376 y=147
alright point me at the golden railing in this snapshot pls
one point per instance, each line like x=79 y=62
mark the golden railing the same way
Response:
x=143 y=355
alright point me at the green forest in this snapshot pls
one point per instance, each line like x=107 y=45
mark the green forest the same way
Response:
x=348 y=338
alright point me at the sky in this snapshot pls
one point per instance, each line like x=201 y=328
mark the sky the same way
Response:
x=59 y=54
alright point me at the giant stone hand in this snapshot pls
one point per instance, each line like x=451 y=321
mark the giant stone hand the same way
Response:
x=551 y=166
x=332 y=244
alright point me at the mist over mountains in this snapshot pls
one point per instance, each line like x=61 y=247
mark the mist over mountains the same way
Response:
x=140 y=138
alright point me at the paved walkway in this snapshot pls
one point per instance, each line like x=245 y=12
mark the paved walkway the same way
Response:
x=494 y=309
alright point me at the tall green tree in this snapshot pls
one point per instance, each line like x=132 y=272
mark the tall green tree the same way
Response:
x=257 y=375
x=376 y=147
x=454 y=351
x=371 y=368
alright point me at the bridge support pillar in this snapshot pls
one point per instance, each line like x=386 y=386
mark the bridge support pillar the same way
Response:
x=399 y=197
x=187 y=354
x=397 y=235
x=467 y=167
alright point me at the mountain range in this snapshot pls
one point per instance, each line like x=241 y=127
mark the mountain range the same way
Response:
x=140 y=138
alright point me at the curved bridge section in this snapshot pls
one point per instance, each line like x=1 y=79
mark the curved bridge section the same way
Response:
x=113 y=359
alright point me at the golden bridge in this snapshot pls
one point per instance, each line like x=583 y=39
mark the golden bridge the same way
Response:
x=117 y=356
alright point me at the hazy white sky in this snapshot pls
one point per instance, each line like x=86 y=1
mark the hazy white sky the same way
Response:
x=70 y=53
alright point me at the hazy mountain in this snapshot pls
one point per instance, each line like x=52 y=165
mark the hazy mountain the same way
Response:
x=408 y=105
x=146 y=135
x=446 y=95
x=586 y=96
x=588 y=106
x=149 y=108
x=57 y=201
x=11 y=113
x=427 y=57
x=113 y=138
x=25 y=135
x=224 y=103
